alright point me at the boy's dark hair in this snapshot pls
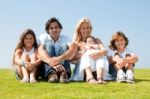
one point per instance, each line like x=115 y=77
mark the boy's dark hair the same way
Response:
x=51 y=20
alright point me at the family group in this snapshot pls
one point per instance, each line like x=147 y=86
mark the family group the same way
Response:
x=50 y=56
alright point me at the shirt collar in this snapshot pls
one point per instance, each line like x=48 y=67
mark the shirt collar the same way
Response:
x=122 y=52
x=49 y=37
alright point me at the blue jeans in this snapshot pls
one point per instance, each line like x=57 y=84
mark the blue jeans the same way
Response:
x=112 y=71
x=49 y=47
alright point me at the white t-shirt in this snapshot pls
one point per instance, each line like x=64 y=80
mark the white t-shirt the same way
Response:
x=63 y=39
x=29 y=52
x=123 y=54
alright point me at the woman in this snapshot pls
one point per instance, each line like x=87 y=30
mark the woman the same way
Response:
x=83 y=30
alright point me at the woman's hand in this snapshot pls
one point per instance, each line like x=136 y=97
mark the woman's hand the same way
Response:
x=96 y=54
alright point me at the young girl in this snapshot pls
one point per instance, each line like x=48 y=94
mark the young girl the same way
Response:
x=100 y=65
x=26 y=57
x=122 y=58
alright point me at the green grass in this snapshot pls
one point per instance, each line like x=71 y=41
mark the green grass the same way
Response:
x=10 y=88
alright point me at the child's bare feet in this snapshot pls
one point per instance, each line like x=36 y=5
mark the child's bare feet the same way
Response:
x=25 y=80
x=33 y=80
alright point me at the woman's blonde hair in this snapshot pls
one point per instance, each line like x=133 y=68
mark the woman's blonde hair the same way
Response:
x=77 y=35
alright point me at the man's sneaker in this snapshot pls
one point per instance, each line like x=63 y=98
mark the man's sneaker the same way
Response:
x=130 y=76
x=53 y=77
x=120 y=76
x=64 y=78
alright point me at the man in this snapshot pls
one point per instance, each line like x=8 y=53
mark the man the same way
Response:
x=55 y=51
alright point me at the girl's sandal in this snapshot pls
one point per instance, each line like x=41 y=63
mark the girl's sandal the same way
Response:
x=92 y=81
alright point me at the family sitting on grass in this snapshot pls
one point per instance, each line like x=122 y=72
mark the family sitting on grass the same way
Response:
x=50 y=59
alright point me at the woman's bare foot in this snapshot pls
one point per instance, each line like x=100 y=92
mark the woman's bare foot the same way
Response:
x=101 y=81
x=92 y=81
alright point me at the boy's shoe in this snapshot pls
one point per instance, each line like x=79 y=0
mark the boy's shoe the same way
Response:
x=120 y=76
x=53 y=77
x=130 y=76
x=64 y=78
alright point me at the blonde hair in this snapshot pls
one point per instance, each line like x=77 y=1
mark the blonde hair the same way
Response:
x=77 y=35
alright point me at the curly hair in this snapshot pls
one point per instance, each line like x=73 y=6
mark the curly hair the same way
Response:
x=114 y=37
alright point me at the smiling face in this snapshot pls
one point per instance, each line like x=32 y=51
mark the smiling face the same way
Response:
x=120 y=43
x=85 y=30
x=28 y=41
x=54 y=31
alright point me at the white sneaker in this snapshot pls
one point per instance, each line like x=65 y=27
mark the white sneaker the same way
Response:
x=130 y=76
x=120 y=76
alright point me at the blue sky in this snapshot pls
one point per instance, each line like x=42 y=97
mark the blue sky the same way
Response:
x=107 y=16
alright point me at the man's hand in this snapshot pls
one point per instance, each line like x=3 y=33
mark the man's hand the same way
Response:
x=53 y=61
x=59 y=68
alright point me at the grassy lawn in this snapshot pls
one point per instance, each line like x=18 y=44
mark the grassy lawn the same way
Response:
x=10 y=88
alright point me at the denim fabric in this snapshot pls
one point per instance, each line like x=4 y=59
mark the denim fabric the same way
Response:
x=47 y=70
x=112 y=72
x=49 y=47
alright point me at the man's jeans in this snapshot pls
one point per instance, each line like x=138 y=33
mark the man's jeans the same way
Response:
x=49 y=47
